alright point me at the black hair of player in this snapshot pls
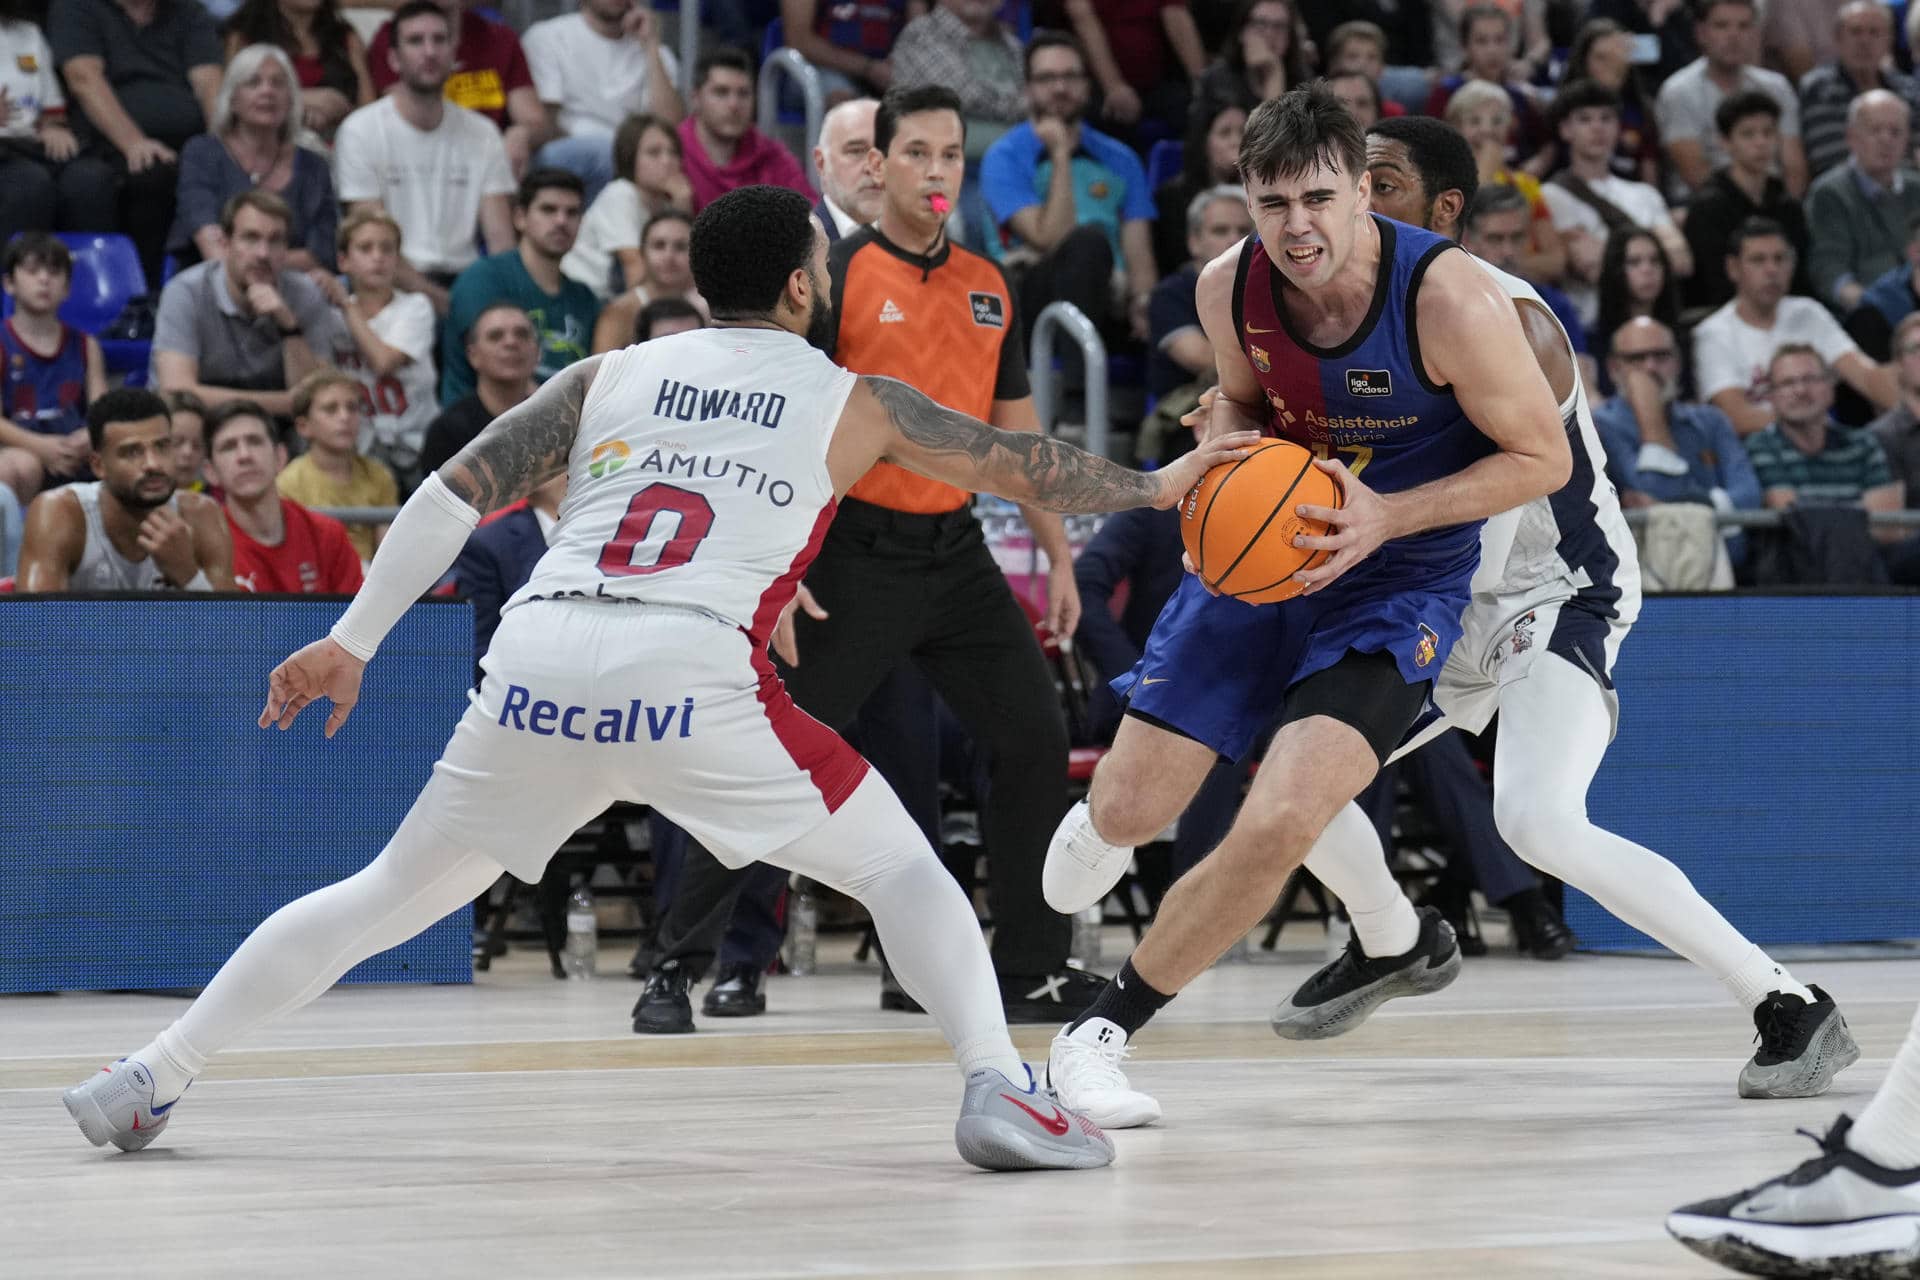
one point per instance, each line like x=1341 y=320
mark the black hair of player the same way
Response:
x=746 y=246
x=123 y=404
x=1302 y=129
x=898 y=104
x=1438 y=152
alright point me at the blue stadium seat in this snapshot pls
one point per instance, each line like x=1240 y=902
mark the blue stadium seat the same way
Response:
x=1164 y=162
x=106 y=277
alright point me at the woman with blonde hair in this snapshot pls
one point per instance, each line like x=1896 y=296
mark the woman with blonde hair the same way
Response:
x=250 y=146
x=1483 y=114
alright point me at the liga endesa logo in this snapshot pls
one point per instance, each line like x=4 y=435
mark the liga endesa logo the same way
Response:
x=607 y=458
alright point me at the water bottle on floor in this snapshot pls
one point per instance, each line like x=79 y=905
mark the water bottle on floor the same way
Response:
x=803 y=929
x=583 y=934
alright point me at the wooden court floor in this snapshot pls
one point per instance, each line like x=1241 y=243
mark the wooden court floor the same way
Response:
x=1535 y=1120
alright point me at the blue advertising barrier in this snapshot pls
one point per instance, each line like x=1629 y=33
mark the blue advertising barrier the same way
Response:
x=1770 y=746
x=148 y=824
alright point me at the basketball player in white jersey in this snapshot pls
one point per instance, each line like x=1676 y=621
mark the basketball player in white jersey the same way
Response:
x=702 y=472
x=1557 y=590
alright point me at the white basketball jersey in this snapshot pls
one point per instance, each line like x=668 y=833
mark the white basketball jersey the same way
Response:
x=699 y=476
x=1575 y=535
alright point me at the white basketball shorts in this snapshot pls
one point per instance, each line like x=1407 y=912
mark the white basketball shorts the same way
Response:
x=589 y=702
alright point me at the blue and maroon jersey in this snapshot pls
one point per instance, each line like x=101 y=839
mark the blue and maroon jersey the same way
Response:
x=1368 y=401
x=44 y=393
x=869 y=26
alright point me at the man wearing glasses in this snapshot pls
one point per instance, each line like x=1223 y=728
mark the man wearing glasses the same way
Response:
x=1661 y=448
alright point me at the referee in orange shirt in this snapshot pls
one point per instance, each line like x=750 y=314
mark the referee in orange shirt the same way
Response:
x=904 y=574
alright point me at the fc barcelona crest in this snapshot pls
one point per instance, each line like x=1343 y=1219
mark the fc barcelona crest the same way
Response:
x=1429 y=646
x=1260 y=360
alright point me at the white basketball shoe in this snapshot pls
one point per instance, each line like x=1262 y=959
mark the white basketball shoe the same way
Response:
x=116 y=1105
x=1083 y=1070
x=1006 y=1126
x=1081 y=868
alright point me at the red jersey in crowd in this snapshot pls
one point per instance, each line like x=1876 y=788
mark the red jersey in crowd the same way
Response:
x=488 y=64
x=314 y=558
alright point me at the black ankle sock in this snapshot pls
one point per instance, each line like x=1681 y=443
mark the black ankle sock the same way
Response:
x=1127 y=1001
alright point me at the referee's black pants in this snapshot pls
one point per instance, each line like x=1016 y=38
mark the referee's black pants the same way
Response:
x=924 y=589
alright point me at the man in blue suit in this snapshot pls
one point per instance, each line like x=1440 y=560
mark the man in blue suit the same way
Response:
x=850 y=192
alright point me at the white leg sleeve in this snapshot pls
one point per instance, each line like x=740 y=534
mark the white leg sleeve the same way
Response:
x=872 y=851
x=1889 y=1129
x=1348 y=859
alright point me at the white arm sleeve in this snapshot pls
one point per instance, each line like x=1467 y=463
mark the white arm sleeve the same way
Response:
x=422 y=541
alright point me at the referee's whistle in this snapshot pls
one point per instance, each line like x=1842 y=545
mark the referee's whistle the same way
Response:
x=939 y=203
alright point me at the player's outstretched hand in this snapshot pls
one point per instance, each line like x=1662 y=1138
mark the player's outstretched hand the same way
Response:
x=1217 y=415
x=1356 y=528
x=321 y=670
x=1184 y=472
x=785 y=643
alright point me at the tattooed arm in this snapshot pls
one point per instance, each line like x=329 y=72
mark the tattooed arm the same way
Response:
x=921 y=435
x=524 y=447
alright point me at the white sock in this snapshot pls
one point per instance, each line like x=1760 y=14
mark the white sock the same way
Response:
x=1888 y=1131
x=1554 y=729
x=172 y=1063
x=1758 y=976
x=1348 y=859
x=872 y=850
x=309 y=944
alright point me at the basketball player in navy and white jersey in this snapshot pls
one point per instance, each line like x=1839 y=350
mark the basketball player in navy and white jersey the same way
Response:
x=1558 y=588
x=1404 y=367
x=702 y=470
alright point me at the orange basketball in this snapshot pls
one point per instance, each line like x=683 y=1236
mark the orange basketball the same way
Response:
x=1240 y=521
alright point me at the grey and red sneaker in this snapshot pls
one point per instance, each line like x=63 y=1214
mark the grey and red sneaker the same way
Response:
x=116 y=1106
x=1005 y=1126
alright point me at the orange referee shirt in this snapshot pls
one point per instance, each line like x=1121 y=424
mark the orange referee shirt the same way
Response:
x=945 y=324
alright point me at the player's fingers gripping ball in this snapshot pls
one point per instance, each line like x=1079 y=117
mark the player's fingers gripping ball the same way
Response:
x=1240 y=521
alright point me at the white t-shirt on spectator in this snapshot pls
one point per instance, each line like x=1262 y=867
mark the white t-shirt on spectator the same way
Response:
x=1730 y=354
x=432 y=183
x=1644 y=204
x=597 y=82
x=613 y=222
x=400 y=405
x=27 y=76
x=1689 y=98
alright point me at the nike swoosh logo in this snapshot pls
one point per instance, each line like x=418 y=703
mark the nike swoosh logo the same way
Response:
x=1254 y=328
x=1154 y=679
x=1056 y=1124
x=160 y=1111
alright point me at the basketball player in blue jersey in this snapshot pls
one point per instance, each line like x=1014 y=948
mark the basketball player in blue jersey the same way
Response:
x=1552 y=604
x=1402 y=363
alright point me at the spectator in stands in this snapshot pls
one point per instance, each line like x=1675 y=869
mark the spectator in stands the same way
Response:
x=1358 y=94
x=1670 y=22
x=1068 y=201
x=1209 y=158
x=1589 y=202
x=1865 y=47
x=250 y=146
x=1265 y=54
x=1888 y=300
x=850 y=194
x=1747 y=186
x=669 y=274
x=503 y=350
x=1733 y=348
x=332 y=472
x=143 y=75
x=593 y=69
x=664 y=317
x=1899 y=427
x=242 y=325
x=499 y=558
x=489 y=75
x=383 y=337
x=1859 y=212
x=720 y=147
x=646 y=154
x=1405 y=25
x=1359 y=48
x=963 y=45
x=1483 y=114
x=129 y=530
x=1636 y=280
x=848 y=44
x=51 y=371
x=278 y=545
x=1662 y=448
x=1487 y=32
x=1799 y=36
x=1216 y=220
x=1805 y=459
x=329 y=58
x=1528 y=47
x=1729 y=47
x=546 y=215
x=1496 y=227
x=189 y=418
x=35 y=142
x=1603 y=53
x=438 y=168
x=1125 y=44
